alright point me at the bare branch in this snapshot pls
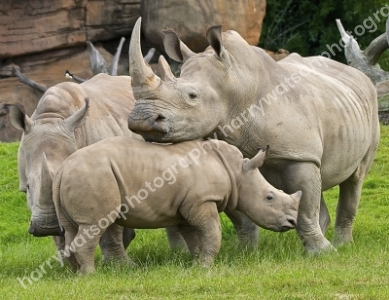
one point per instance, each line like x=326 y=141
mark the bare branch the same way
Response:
x=375 y=49
x=364 y=61
x=387 y=30
x=97 y=62
x=115 y=60
x=31 y=83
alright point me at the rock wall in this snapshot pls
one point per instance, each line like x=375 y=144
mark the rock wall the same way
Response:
x=30 y=26
x=190 y=19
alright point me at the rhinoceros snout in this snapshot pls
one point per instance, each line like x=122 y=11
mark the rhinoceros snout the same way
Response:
x=150 y=127
x=39 y=231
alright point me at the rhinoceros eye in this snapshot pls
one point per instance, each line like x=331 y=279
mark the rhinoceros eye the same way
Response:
x=192 y=95
x=269 y=197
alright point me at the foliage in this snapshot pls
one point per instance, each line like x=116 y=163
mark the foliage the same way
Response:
x=307 y=27
x=278 y=270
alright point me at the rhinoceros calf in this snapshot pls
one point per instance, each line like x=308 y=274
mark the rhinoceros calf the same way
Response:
x=185 y=184
x=59 y=127
x=319 y=116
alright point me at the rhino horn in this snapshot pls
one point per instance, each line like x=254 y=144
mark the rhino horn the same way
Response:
x=297 y=196
x=78 y=118
x=141 y=74
x=174 y=47
x=17 y=117
x=257 y=161
x=46 y=182
x=164 y=71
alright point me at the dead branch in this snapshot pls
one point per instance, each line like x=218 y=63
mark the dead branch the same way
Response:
x=365 y=61
x=31 y=83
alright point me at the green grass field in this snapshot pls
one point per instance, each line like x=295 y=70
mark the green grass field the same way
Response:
x=278 y=270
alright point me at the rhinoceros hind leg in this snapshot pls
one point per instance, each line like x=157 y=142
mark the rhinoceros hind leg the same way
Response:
x=85 y=249
x=349 y=196
x=247 y=231
x=68 y=255
x=206 y=221
x=324 y=217
x=176 y=239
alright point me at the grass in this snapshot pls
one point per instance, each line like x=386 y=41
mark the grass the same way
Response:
x=278 y=270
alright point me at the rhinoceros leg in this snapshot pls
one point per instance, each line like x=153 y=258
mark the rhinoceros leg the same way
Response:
x=324 y=217
x=70 y=234
x=176 y=239
x=306 y=177
x=247 y=231
x=59 y=242
x=191 y=237
x=85 y=249
x=128 y=235
x=111 y=244
x=349 y=197
x=206 y=221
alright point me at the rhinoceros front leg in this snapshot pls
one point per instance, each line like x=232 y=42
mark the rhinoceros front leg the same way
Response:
x=111 y=244
x=247 y=231
x=306 y=177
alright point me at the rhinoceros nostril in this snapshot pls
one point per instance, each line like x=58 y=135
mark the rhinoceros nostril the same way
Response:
x=160 y=118
x=292 y=222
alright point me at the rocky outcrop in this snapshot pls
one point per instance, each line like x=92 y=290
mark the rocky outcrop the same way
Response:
x=47 y=69
x=190 y=19
x=39 y=25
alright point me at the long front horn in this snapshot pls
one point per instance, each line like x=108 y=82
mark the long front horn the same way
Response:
x=141 y=74
x=46 y=183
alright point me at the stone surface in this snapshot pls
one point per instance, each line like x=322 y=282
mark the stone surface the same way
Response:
x=190 y=19
x=47 y=69
x=30 y=26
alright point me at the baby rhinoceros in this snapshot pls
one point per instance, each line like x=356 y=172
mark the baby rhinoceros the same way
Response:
x=142 y=185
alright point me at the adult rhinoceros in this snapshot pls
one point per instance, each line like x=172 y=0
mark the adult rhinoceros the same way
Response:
x=321 y=119
x=56 y=129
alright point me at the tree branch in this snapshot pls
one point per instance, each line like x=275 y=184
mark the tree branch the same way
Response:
x=31 y=83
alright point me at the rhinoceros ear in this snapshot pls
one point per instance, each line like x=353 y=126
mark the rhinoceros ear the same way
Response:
x=214 y=37
x=257 y=161
x=163 y=70
x=17 y=117
x=78 y=118
x=174 y=47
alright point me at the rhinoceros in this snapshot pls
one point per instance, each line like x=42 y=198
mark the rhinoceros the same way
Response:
x=56 y=129
x=320 y=119
x=96 y=187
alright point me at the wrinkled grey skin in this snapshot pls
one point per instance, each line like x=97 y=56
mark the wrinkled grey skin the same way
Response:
x=58 y=127
x=191 y=197
x=322 y=128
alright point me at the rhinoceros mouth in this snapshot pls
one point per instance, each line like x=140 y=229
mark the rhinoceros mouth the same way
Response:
x=151 y=128
x=40 y=231
x=289 y=224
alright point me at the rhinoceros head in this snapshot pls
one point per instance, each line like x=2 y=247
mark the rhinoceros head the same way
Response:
x=45 y=144
x=193 y=105
x=265 y=205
